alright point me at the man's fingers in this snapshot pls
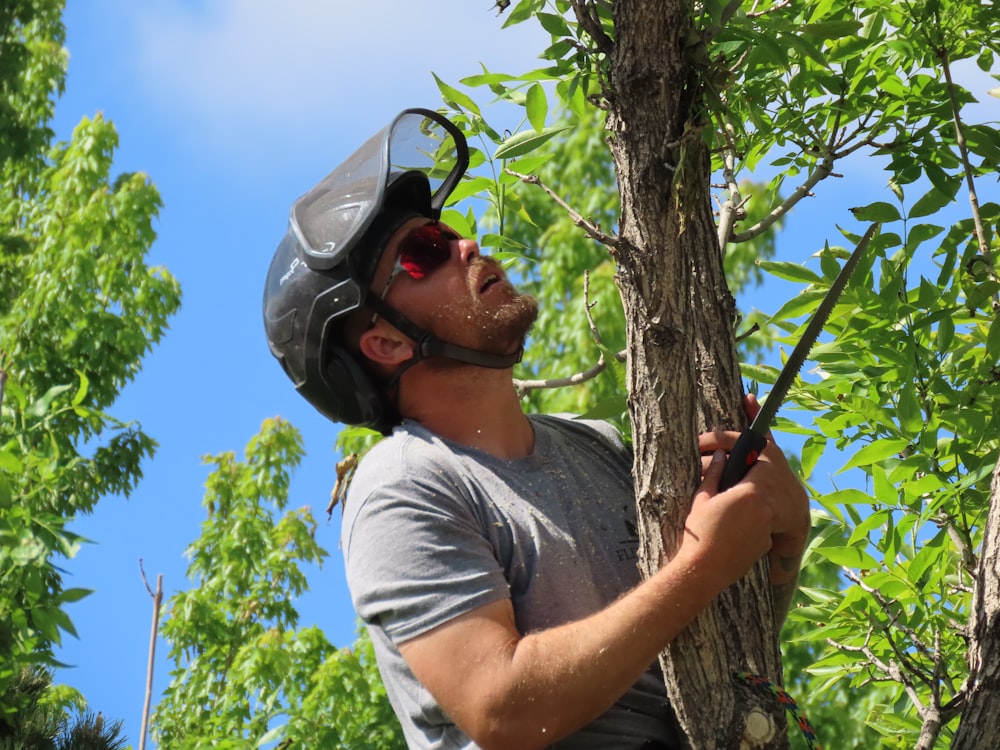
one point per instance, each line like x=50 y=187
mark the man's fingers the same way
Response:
x=709 y=442
x=710 y=480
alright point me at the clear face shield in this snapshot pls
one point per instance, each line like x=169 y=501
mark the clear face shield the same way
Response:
x=332 y=218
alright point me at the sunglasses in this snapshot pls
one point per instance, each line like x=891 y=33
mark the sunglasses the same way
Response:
x=419 y=254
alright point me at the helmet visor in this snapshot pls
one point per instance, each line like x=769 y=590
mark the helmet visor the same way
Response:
x=331 y=219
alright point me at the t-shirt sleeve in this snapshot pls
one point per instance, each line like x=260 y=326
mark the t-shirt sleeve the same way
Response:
x=415 y=552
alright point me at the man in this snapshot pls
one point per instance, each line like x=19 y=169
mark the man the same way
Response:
x=484 y=547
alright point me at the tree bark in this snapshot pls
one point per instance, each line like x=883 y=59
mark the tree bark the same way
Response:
x=683 y=371
x=980 y=725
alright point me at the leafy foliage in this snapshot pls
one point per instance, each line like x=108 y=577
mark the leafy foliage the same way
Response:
x=79 y=308
x=246 y=674
x=44 y=722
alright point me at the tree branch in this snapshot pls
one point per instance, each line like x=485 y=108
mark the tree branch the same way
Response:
x=984 y=248
x=591 y=23
x=590 y=228
x=823 y=170
x=729 y=211
x=157 y=601
x=522 y=387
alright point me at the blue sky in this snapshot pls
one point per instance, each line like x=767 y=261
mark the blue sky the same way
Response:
x=234 y=108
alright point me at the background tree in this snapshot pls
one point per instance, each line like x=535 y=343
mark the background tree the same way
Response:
x=43 y=721
x=79 y=308
x=245 y=674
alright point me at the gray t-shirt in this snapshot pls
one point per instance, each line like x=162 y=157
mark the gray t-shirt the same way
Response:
x=433 y=530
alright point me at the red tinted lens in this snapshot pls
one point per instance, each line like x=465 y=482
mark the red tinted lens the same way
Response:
x=425 y=249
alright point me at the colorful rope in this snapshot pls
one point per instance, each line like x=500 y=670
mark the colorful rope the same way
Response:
x=789 y=704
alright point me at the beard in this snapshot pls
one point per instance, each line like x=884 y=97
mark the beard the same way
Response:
x=495 y=322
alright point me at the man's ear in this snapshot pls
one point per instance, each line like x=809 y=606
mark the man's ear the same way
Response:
x=386 y=346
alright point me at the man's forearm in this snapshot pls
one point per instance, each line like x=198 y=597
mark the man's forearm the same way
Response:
x=530 y=691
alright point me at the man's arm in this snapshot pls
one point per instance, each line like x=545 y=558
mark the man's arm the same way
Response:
x=506 y=689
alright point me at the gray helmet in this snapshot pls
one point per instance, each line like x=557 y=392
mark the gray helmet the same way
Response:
x=322 y=269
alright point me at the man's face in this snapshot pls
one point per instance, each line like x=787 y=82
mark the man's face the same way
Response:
x=467 y=300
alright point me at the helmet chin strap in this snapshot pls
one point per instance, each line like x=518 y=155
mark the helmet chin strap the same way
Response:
x=429 y=345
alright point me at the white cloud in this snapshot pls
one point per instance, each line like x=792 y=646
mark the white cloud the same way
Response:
x=242 y=68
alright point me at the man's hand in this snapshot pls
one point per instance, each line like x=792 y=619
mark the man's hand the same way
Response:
x=769 y=484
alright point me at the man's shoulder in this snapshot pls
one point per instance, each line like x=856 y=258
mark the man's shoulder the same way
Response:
x=573 y=426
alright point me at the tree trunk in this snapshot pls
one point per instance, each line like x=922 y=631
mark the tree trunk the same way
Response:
x=980 y=724
x=683 y=371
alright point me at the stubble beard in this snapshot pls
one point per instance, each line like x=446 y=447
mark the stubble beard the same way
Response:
x=499 y=327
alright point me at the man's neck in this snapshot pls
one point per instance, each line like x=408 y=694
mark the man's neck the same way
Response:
x=474 y=406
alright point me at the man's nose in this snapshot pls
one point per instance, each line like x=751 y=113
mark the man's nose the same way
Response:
x=467 y=250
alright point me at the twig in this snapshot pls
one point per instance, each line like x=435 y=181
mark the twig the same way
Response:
x=157 y=600
x=890 y=669
x=754 y=13
x=588 y=306
x=823 y=170
x=977 y=218
x=3 y=385
x=592 y=25
x=589 y=227
x=523 y=387
x=894 y=621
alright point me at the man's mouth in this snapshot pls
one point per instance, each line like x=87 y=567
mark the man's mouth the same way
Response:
x=489 y=281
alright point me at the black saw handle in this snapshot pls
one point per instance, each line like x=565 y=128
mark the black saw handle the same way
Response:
x=742 y=458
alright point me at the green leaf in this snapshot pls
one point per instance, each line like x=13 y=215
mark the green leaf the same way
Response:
x=875 y=452
x=790 y=271
x=831 y=29
x=525 y=142
x=74 y=595
x=849 y=497
x=455 y=97
x=41 y=407
x=879 y=211
x=553 y=23
x=81 y=392
x=932 y=202
x=911 y=417
x=10 y=463
x=801 y=304
x=848 y=557
x=536 y=106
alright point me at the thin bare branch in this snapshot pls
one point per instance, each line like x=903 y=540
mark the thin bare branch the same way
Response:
x=984 y=248
x=890 y=669
x=522 y=387
x=754 y=13
x=823 y=170
x=896 y=623
x=590 y=228
x=588 y=306
x=157 y=601
x=591 y=23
